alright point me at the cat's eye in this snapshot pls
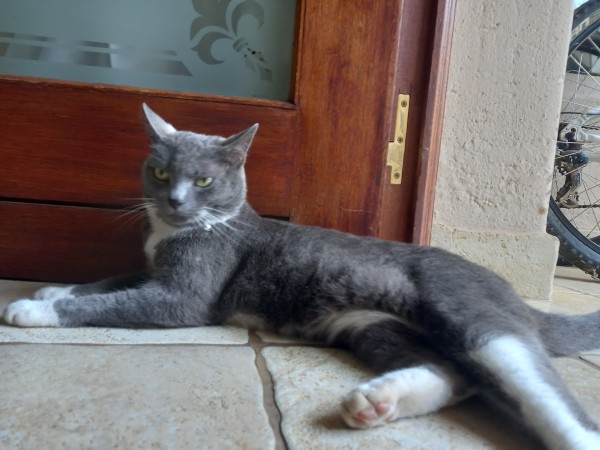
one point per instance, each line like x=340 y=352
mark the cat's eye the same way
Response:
x=161 y=174
x=203 y=182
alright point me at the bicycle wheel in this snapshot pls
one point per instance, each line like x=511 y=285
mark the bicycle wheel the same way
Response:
x=574 y=213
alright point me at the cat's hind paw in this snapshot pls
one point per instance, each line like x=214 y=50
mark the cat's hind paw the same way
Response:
x=402 y=393
x=54 y=292
x=372 y=404
x=30 y=313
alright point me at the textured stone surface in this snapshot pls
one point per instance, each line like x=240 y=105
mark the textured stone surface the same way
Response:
x=504 y=94
x=140 y=397
x=572 y=279
x=272 y=338
x=526 y=260
x=498 y=141
x=568 y=302
x=310 y=382
x=592 y=357
x=12 y=290
x=584 y=381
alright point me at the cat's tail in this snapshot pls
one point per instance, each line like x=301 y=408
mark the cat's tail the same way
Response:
x=569 y=334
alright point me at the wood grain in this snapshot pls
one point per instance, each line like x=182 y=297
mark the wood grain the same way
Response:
x=76 y=143
x=348 y=81
x=412 y=72
x=55 y=244
x=343 y=91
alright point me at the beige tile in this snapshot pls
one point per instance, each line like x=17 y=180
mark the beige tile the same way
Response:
x=12 y=290
x=571 y=273
x=577 y=280
x=592 y=358
x=113 y=336
x=584 y=381
x=272 y=338
x=568 y=303
x=557 y=289
x=310 y=382
x=117 y=397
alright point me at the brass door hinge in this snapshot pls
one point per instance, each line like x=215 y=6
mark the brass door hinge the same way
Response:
x=395 y=153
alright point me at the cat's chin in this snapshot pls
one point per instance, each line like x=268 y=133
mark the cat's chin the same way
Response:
x=177 y=220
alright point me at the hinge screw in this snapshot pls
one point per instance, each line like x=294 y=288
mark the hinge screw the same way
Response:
x=400 y=139
x=396 y=175
x=403 y=103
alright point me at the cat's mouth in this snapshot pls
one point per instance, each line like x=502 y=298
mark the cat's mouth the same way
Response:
x=177 y=220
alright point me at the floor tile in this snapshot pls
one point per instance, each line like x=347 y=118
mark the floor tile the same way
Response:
x=138 y=397
x=568 y=304
x=106 y=336
x=272 y=338
x=592 y=358
x=11 y=289
x=584 y=381
x=310 y=382
x=572 y=278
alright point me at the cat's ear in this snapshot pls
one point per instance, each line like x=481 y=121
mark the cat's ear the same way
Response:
x=237 y=145
x=157 y=127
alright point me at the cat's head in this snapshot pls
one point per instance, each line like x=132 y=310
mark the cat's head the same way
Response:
x=194 y=178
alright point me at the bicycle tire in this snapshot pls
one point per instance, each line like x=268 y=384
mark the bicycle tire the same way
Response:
x=575 y=247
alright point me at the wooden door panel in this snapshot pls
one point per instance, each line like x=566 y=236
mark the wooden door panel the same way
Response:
x=53 y=243
x=318 y=160
x=72 y=143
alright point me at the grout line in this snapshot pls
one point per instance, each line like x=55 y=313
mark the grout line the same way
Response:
x=270 y=405
x=580 y=358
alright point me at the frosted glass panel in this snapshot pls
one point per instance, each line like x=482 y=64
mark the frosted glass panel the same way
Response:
x=224 y=47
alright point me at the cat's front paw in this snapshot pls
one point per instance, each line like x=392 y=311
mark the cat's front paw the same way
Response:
x=372 y=404
x=54 y=292
x=29 y=313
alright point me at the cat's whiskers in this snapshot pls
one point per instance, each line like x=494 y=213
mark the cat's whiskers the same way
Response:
x=226 y=216
x=220 y=222
x=133 y=212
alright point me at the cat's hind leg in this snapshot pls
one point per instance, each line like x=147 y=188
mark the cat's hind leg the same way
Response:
x=414 y=380
x=409 y=392
x=518 y=367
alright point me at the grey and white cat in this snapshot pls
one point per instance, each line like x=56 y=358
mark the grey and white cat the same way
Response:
x=435 y=327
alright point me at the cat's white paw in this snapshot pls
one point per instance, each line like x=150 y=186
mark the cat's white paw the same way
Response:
x=373 y=404
x=54 y=292
x=402 y=393
x=30 y=313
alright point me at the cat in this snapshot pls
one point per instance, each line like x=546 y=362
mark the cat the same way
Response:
x=435 y=327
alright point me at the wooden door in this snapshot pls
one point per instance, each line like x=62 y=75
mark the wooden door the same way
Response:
x=72 y=151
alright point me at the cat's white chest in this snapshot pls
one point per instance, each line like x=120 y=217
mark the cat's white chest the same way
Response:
x=159 y=232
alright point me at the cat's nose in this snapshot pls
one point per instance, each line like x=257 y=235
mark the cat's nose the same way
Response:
x=175 y=202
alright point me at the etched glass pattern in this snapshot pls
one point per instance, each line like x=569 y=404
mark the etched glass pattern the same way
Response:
x=224 y=47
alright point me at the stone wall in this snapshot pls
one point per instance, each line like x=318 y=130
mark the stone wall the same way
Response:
x=502 y=108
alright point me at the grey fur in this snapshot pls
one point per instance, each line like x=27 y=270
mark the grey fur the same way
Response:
x=224 y=262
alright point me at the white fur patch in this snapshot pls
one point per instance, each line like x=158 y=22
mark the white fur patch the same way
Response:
x=54 y=292
x=160 y=231
x=209 y=218
x=402 y=393
x=353 y=321
x=31 y=313
x=543 y=408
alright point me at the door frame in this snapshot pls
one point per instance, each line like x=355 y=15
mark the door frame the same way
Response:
x=321 y=194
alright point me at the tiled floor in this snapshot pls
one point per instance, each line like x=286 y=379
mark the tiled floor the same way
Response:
x=222 y=388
